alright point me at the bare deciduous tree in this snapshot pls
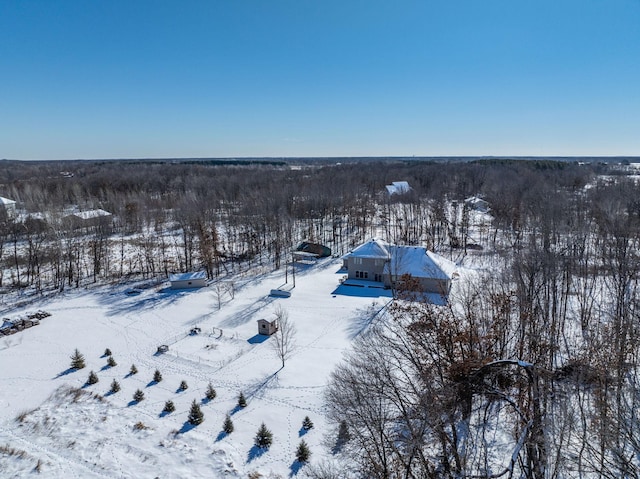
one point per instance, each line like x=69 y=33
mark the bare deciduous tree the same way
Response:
x=284 y=337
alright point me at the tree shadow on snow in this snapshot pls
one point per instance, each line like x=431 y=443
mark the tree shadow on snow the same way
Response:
x=186 y=427
x=151 y=383
x=65 y=372
x=255 y=452
x=236 y=409
x=302 y=432
x=295 y=468
x=221 y=436
x=133 y=402
x=164 y=413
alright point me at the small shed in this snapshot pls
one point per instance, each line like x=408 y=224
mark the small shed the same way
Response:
x=267 y=327
x=188 y=280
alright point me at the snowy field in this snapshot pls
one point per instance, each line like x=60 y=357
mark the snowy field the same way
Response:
x=61 y=433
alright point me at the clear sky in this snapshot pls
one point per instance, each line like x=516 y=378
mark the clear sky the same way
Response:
x=237 y=78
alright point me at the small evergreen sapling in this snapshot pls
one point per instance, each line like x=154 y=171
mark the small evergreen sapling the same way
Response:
x=227 y=425
x=107 y=352
x=242 y=402
x=183 y=386
x=111 y=362
x=343 y=434
x=303 y=453
x=307 y=424
x=138 y=396
x=210 y=394
x=133 y=370
x=263 y=438
x=157 y=377
x=77 y=360
x=195 y=414
x=115 y=387
x=169 y=407
x=93 y=378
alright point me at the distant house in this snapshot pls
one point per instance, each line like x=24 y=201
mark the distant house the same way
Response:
x=267 y=327
x=188 y=280
x=8 y=206
x=383 y=263
x=477 y=204
x=398 y=188
x=88 y=219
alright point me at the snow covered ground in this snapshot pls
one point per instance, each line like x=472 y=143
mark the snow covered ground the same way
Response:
x=63 y=433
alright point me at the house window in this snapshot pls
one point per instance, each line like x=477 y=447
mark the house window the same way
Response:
x=366 y=274
x=357 y=260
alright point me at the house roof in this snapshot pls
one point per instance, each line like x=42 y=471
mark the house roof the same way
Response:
x=6 y=201
x=374 y=248
x=398 y=188
x=419 y=263
x=414 y=260
x=187 y=276
x=85 y=215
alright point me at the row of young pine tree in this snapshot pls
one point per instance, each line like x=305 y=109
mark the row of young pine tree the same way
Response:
x=262 y=440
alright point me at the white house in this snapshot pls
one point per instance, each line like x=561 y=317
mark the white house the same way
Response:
x=9 y=207
x=477 y=204
x=381 y=262
x=188 y=280
x=398 y=188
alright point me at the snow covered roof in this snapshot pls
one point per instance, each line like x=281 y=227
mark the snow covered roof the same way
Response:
x=374 y=248
x=398 y=188
x=6 y=201
x=85 y=215
x=419 y=263
x=187 y=276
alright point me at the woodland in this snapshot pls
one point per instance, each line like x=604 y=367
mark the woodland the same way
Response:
x=531 y=370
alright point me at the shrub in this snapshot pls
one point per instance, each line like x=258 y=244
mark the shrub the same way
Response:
x=183 y=386
x=157 y=377
x=169 y=407
x=93 y=378
x=115 y=386
x=195 y=414
x=77 y=360
x=263 y=438
x=138 y=396
x=107 y=352
x=303 y=453
x=133 y=370
x=111 y=362
x=242 y=402
x=307 y=424
x=210 y=394
x=227 y=425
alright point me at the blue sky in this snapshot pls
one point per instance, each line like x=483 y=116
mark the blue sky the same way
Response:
x=236 y=78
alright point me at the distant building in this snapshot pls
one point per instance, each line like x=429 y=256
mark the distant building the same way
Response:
x=88 y=219
x=319 y=250
x=398 y=188
x=188 y=280
x=477 y=204
x=9 y=207
x=381 y=262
